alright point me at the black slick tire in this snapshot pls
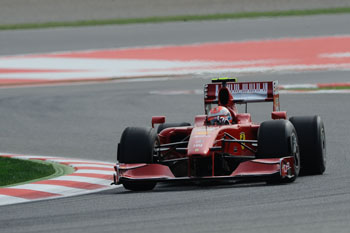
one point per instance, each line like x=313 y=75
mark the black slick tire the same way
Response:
x=139 y=185
x=312 y=142
x=137 y=145
x=277 y=139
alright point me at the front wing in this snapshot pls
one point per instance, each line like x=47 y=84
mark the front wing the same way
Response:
x=258 y=169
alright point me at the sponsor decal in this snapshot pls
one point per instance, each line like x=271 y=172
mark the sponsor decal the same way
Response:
x=201 y=132
x=201 y=136
x=246 y=91
x=242 y=137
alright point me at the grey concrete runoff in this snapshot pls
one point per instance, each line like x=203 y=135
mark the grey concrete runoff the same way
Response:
x=39 y=11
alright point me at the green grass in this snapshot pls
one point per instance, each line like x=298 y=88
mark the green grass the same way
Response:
x=175 y=18
x=13 y=171
x=334 y=88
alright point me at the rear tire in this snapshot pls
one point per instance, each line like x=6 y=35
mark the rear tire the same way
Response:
x=170 y=125
x=278 y=139
x=137 y=145
x=312 y=141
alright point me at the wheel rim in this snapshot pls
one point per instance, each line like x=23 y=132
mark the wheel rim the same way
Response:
x=323 y=143
x=156 y=151
x=296 y=153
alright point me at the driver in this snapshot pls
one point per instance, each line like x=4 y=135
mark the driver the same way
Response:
x=219 y=116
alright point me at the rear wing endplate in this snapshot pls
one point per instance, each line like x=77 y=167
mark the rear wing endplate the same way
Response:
x=245 y=92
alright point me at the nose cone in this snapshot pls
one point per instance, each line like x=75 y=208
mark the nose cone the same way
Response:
x=201 y=140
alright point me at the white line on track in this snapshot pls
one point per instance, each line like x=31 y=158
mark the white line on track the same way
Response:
x=84 y=179
x=92 y=165
x=93 y=171
x=66 y=160
x=11 y=200
x=56 y=189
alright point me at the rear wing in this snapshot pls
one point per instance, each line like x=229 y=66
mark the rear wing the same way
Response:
x=245 y=92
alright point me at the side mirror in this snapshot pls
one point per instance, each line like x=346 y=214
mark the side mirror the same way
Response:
x=157 y=120
x=279 y=115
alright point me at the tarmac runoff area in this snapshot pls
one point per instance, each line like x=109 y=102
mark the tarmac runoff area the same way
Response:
x=88 y=176
x=239 y=57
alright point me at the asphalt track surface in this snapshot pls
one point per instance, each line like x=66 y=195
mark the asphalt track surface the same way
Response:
x=85 y=121
x=66 y=39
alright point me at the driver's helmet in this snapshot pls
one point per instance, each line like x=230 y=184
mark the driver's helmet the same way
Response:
x=219 y=116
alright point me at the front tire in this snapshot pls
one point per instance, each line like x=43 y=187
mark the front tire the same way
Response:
x=139 y=186
x=137 y=145
x=312 y=141
x=278 y=139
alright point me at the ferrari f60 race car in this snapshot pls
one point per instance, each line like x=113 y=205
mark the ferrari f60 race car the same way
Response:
x=223 y=144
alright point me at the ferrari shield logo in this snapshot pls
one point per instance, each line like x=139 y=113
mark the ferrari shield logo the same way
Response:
x=242 y=137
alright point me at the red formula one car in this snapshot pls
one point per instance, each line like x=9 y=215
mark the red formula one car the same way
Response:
x=223 y=144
